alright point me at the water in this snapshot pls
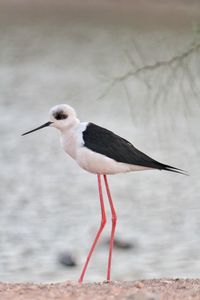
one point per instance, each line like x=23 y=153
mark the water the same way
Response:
x=47 y=204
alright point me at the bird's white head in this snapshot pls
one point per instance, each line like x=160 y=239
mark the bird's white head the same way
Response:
x=62 y=117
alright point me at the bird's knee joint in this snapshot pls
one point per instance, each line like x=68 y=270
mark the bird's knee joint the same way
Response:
x=114 y=219
x=103 y=222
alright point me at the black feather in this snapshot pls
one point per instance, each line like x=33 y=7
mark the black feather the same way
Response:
x=104 y=141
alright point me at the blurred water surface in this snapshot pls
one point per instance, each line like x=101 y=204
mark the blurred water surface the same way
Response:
x=139 y=79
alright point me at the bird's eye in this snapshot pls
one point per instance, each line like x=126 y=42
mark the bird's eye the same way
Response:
x=60 y=115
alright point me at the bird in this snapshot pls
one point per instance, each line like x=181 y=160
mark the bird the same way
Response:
x=101 y=152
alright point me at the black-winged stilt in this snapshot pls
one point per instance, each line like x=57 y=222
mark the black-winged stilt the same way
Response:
x=99 y=151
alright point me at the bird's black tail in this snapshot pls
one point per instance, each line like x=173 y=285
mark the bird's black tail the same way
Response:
x=172 y=169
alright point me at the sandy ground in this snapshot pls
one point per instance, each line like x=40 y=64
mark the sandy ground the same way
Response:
x=155 y=289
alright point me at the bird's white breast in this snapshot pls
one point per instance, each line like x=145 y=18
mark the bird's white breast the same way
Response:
x=72 y=139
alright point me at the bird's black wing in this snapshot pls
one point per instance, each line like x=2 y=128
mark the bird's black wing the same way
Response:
x=104 y=141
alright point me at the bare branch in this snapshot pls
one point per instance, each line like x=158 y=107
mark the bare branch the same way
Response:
x=175 y=60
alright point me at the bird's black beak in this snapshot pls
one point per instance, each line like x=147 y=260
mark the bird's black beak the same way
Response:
x=40 y=127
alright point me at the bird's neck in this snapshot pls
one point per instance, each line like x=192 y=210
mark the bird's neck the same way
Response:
x=71 y=126
x=68 y=138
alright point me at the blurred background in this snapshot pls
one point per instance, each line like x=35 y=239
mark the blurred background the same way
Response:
x=131 y=66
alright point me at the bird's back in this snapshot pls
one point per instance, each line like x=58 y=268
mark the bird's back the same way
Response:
x=105 y=142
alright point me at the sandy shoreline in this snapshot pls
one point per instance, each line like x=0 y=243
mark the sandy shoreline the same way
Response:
x=162 y=289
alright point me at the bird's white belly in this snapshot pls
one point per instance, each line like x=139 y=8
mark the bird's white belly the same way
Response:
x=94 y=162
x=91 y=161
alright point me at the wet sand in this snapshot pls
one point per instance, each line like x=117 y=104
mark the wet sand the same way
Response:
x=162 y=289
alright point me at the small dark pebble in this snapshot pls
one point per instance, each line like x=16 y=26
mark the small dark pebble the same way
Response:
x=120 y=244
x=67 y=259
x=123 y=244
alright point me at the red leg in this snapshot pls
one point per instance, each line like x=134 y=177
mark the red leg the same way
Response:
x=103 y=222
x=114 y=221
